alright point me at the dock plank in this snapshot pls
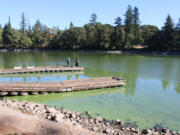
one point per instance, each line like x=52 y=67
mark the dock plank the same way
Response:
x=71 y=85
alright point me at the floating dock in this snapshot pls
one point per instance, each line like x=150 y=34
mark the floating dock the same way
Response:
x=33 y=88
x=18 y=70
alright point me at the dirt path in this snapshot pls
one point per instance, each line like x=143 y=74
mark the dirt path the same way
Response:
x=13 y=121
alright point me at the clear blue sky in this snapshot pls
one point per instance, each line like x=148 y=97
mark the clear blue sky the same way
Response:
x=62 y=12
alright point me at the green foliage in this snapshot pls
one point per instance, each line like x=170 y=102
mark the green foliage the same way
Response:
x=118 y=21
x=23 y=23
x=148 y=32
x=93 y=19
x=94 y=35
x=105 y=37
x=10 y=37
x=137 y=30
x=129 y=36
x=25 y=41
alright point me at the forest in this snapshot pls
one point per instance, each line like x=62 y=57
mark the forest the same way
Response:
x=123 y=35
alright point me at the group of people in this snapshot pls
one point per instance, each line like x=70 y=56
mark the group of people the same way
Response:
x=69 y=61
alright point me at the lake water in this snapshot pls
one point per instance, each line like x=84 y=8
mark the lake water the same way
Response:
x=151 y=96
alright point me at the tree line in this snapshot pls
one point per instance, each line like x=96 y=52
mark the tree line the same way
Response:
x=124 y=35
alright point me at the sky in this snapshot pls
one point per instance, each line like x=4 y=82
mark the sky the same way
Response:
x=61 y=12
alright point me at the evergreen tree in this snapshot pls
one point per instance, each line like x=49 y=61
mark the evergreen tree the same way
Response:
x=129 y=36
x=25 y=41
x=105 y=37
x=7 y=35
x=118 y=21
x=37 y=34
x=71 y=25
x=137 y=30
x=93 y=19
x=178 y=25
x=10 y=37
x=148 y=32
x=91 y=36
x=118 y=35
x=23 y=23
x=168 y=31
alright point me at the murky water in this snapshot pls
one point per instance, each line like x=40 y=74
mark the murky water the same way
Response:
x=152 y=94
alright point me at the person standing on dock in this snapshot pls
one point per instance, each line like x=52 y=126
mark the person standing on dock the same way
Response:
x=77 y=63
x=68 y=61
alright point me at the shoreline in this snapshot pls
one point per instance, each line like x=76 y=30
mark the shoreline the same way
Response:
x=98 y=125
x=100 y=51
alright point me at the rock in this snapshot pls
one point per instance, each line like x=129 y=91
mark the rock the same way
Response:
x=134 y=130
x=165 y=130
x=91 y=120
x=99 y=119
x=58 y=117
x=15 y=100
x=95 y=128
x=72 y=115
x=118 y=120
x=107 y=130
x=50 y=110
x=146 y=131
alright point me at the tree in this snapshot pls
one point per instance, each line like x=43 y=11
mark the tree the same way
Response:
x=105 y=37
x=178 y=25
x=93 y=19
x=37 y=34
x=148 y=32
x=91 y=36
x=7 y=34
x=25 y=41
x=168 y=30
x=118 y=38
x=118 y=21
x=137 y=30
x=71 y=25
x=10 y=37
x=118 y=35
x=129 y=36
x=23 y=23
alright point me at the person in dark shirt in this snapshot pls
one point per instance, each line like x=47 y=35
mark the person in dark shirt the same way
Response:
x=77 y=63
x=68 y=61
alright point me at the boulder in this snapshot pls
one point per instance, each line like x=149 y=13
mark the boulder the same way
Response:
x=50 y=110
x=146 y=131
x=58 y=117
x=99 y=119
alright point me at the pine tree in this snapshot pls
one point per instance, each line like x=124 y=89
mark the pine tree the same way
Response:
x=137 y=30
x=93 y=19
x=25 y=41
x=168 y=31
x=37 y=34
x=129 y=36
x=118 y=35
x=10 y=37
x=71 y=25
x=23 y=23
x=178 y=25
x=118 y=21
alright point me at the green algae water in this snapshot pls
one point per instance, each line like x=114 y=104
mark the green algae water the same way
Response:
x=151 y=96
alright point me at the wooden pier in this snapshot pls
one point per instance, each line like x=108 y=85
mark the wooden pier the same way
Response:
x=17 y=70
x=33 y=88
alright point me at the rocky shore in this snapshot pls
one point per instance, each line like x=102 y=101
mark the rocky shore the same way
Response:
x=98 y=125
